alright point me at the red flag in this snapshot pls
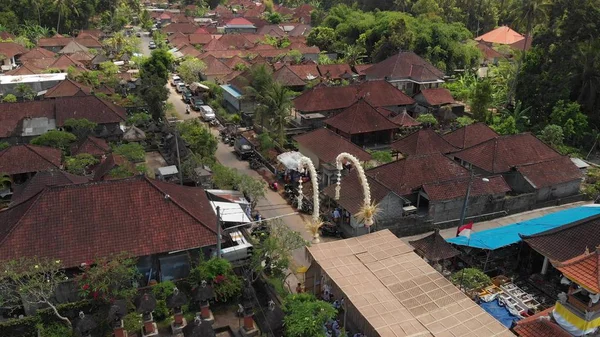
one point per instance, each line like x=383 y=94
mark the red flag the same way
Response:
x=465 y=230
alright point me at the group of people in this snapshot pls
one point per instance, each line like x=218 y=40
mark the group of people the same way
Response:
x=332 y=328
x=336 y=216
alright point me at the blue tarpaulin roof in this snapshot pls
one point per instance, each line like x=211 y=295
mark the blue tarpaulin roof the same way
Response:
x=500 y=313
x=507 y=235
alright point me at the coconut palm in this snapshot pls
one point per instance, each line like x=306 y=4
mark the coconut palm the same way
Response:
x=64 y=8
x=277 y=104
x=589 y=76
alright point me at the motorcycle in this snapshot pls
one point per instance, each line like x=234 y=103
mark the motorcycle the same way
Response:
x=274 y=186
x=231 y=141
x=255 y=164
x=331 y=230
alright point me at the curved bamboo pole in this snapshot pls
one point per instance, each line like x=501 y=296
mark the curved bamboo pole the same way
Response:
x=368 y=210
x=316 y=223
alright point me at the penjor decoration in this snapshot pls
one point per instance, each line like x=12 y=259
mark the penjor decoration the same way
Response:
x=315 y=223
x=369 y=210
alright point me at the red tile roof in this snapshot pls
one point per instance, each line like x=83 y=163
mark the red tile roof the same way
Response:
x=351 y=195
x=64 y=62
x=335 y=71
x=501 y=35
x=200 y=38
x=201 y=31
x=423 y=141
x=26 y=69
x=221 y=54
x=27 y=158
x=405 y=175
x=360 y=68
x=42 y=180
x=500 y=154
x=238 y=22
x=11 y=49
x=437 y=96
x=470 y=135
x=402 y=118
x=97 y=33
x=236 y=41
x=92 y=145
x=112 y=161
x=232 y=62
x=434 y=247
x=37 y=53
x=78 y=223
x=457 y=188
x=287 y=77
x=361 y=117
x=89 y=41
x=314 y=141
x=377 y=93
x=551 y=172
x=215 y=44
x=405 y=65
x=67 y=88
x=215 y=67
x=582 y=270
x=185 y=28
x=55 y=41
x=306 y=72
x=540 y=325
x=488 y=52
x=6 y=36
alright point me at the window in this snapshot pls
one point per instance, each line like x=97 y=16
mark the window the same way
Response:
x=174 y=267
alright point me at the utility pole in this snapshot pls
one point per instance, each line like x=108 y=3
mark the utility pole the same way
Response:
x=463 y=213
x=178 y=158
x=218 y=232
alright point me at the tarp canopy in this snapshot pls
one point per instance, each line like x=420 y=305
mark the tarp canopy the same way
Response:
x=230 y=212
x=507 y=235
x=290 y=159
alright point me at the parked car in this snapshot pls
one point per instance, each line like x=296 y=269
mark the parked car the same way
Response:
x=180 y=86
x=174 y=80
x=186 y=95
x=152 y=45
x=196 y=102
x=208 y=114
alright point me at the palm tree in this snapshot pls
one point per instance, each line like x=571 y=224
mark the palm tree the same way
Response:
x=258 y=79
x=528 y=13
x=64 y=8
x=589 y=77
x=277 y=104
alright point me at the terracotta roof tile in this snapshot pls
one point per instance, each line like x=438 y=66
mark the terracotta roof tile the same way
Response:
x=55 y=41
x=470 y=135
x=28 y=68
x=405 y=175
x=77 y=223
x=67 y=88
x=434 y=247
x=232 y=62
x=26 y=158
x=501 y=35
x=73 y=47
x=215 y=67
x=236 y=41
x=423 y=141
x=215 y=44
x=402 y=118
x=184 y=27
x=360 y=68
x=551 y=172
x=11 y=49
x=92 y=145
x=500 y=154
x=457 y=188
x=336 y=144
x=540 y=325
x=361 y=117
x=437 y=96
x=200 y=38
x=89 y=41
x=306 y=72
x=568 y=241
x=377 y=93
x=37 y=53
x=239 y=22
x=111 y=161
x=351 y=195
x=405 y=65
x=287 y=77
x=221 y=54
x=42 y=180
x=582 y=270
x=335 y=71
x=488 y=52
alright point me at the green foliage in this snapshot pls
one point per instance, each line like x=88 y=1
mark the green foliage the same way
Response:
x=226 y=283
x=266 y=143
x=322 y=37
x=240 y=67
x=189 y=165
x=54 y=138
x=121 y=172
x=481 y=100
x=224 y=177
x=505 y=125
x=80 y=127
x=109 y=68
x=255 y=189
x=277 y=42
x=591 y=184
x=464 y=120
x=276 y=104
x=552 y=135
x=78 y=164
x=109 y=278
x=428 y=119
x=189 y=70
x=132 y=151
x=138 y=119
x=198 y=137
x=161 y=311
x=163 y=290
x=54 y=330
x=4 y=145
x=25 y=91
x=381 y=157
x=519 y=114
x=299 y=307
x=569 y=116
x=154 y=77
x=274 y=18
x=132 y=322
x=10 y=98
x=470 y=279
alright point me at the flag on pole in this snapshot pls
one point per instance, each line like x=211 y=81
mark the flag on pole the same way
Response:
x=465 y=230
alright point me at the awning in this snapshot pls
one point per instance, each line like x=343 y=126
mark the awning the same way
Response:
x=230 y=212
x=507 y=235
x=290 y=159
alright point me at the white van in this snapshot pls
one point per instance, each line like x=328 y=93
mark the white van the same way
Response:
x=179 y=87
x=207 y=113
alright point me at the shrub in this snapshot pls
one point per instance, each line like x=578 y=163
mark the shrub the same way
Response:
x=54 y=330
x=10 y=98
x=132 y=322
x=79 y=163
x=54 y=138
x=4 y=145
x=427 y=119
x=305 y=315
x=226 y=283
x=470 y=279
x=132 y=151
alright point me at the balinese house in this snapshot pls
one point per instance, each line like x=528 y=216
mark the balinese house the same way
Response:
x=363 y=125
x=391 y=291
x=82 y=222
x=527 y=164
x=504 y=35
x=408 y=72
x=36 y=53
x=215 y=69
x=322 y=146
x=68 y=88
x=321 y=102
x=336 y=72
x=40 y=181
x=97 y=147
x=433 y=248
x=10 y=52
x=118 y=163
x=57 y=42
x=470 y=135
x=359 y=69
x=402 y=118
x=239 y=25
x=21 y=162
x=424 y=141
x=289 y=79
x=439 y=102
x=19 y=122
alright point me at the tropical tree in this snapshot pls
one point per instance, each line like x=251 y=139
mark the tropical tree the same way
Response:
x=80 y=163
x=54 y=138
x=276 y=104
x=64 y=8
x=299 y=307
x=427 y=119
x=189 y=70
x=552 y=135
x=198 y=137
x=255 y=189
x=109 y=278
x=519 y=114
x=481 y=100
x=81 y=127
x=25 y=91
x=132 y=151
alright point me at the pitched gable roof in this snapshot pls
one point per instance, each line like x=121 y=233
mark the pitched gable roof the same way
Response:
x=215 y=44
x=200 y=38
x=437 y=96
x=64 y=61
x=42 y=180
x=27 y=158
x=405 y=175
x=377 y=93
x=89 y=41
x=470 y=135
x=361 y=117
x=335 y=71
x=11 y=49
x=77 y=223
x=327 y=145
x=37 y=53
x=236 y=41
x=540 y=325
x=501 y=35
x=550 y=172
x=500 y=154
x=234 y=61
x=27 y=68
x=351 y=197
x=306 y=72
x=215 y=67
x=110 y=162
x=239 y=22
x=287 y=77
x=423 y=141
x=90 y=107
x=405 y=65
x=457 y=188
x=92 y=145
x=73 y=47
x=434 y=247
x=582 y=270
x=402 y=118
x=184 y=27
x=67 y=88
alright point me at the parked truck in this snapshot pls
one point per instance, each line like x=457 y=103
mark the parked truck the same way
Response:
x=243 y=148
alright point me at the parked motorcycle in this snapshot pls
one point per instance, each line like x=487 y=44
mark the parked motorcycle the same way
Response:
x=274 y=186
x=255 y=164
x=331 y=230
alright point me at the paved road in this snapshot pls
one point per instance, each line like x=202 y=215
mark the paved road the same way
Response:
x=145 y=41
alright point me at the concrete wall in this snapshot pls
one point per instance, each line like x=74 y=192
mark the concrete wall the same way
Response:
x=451 y=209
x=558 y=191
x=391 y=213
x=307 y=153
x=9 y=88
x=517 y=182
